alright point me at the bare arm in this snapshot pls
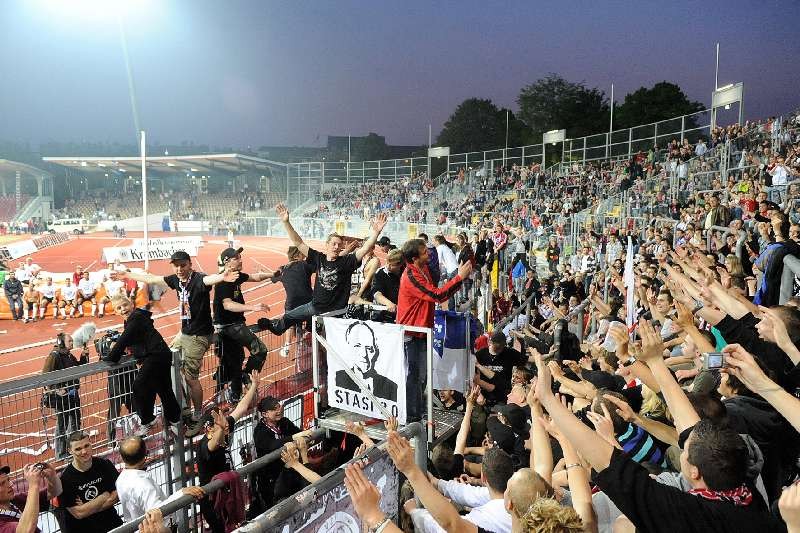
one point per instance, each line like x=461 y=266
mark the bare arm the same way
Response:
x=144 y=277
x=236 y=307
x=437 y=505
x=682 y=411
x=369 y=243
x=295 y=237
x=247 y=400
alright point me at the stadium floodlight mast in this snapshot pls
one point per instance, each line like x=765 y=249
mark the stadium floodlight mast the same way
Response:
x=104 y=11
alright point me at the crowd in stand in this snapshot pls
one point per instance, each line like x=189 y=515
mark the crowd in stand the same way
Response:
x=646 y=380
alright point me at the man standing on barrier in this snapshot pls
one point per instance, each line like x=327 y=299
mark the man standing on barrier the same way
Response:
x=154 y=359
x=415 y=305
x=234 y=335
x=334 y=272
x=296 y=278
x=89 y=491
x=194 y=300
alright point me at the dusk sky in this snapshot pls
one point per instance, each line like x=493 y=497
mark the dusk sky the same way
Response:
x=257 y=72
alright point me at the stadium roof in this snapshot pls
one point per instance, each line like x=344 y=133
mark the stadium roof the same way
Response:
x=10 y=168
x=231 y=164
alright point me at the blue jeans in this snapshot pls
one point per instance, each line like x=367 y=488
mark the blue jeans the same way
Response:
x=416 y=358
x=298 y=315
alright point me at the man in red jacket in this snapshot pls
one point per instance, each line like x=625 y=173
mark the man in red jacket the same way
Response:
x=415 y=305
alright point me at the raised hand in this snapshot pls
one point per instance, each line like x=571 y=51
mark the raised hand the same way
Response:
x=380 y=222
x=623 y=409
x=603 y=424
x=364 y=495
x=652 y=346
x=391 y=424
x=742 y=364
x=282 y=212
x=401 y=453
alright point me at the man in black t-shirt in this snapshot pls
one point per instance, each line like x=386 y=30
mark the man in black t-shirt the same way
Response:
x=296 y=279
x=213 y=455
x=234 y=335
x=334 y=272
x=386 y=286
x=270 y=434
x=194 y=295
x=495 y=364
x=89 y=493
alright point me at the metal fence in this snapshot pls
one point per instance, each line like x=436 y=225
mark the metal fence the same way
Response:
x=37 y=419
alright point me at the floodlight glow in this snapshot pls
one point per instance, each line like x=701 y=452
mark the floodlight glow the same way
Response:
x=96 y=10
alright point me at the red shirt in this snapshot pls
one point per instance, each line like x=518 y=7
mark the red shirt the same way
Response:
x=418 y=295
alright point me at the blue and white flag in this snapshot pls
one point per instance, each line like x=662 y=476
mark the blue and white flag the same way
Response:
x=453 y=362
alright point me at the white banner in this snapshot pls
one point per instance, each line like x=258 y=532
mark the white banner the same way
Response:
x=20 y=248
x=128 y=254
x=189 y=241
x=374 y=353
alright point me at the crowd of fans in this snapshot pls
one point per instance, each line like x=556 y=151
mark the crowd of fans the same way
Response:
x=657 y=396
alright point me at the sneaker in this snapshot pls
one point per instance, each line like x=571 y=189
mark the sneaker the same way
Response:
x=194 y=426
x=285 y=350
x=144 y=429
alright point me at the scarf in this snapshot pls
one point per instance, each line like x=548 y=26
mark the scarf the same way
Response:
x=740 y=496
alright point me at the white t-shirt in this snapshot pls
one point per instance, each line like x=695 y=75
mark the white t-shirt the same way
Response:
x=86 y=287
x=23 y=274
x=48 y=291
x=113 y=287
x=779 y=175
x=69 y=292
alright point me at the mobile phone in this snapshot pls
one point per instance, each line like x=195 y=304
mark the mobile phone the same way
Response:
x=713 y=360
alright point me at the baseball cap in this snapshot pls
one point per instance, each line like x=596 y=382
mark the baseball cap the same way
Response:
x=384 y=241
x=501 y=434
x=180 y=255
x=228 y=253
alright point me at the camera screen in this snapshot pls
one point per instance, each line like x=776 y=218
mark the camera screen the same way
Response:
x=715 y=360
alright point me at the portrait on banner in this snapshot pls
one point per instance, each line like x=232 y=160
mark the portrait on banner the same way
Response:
x=370 y=353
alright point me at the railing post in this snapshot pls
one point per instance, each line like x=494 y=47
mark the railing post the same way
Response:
x=630 y=141
x=584 y=151
x=655 y=135
x=683 y=127
x=178 y=456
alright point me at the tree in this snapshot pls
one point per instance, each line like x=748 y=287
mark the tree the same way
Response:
x=370 y=148
x=553 y=103
x=663 y=101
x=477 y=125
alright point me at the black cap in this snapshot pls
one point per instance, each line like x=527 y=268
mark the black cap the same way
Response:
x=5 y=470
x=515 y=415
x=228 y=253
x=501 y=434
x=268 y=403
x=384 y=241
x=498 y=337
x=603 y=380
x=180 y=255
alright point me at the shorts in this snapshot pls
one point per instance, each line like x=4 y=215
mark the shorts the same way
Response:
x=193 y=348
x=46 y=300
